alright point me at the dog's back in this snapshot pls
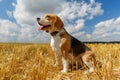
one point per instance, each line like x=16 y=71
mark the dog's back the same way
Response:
x=78 y=47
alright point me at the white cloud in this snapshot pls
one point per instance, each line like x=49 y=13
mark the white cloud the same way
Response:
x=117 y=21
x=13 y=4
x=83 y=36
x=81 y=10
x=104 y=27
x=74 y=14
x=108 y=30
x=26 y=13
x=92 y=1
x=79 y=24
x=8 y=31
x=94 y=11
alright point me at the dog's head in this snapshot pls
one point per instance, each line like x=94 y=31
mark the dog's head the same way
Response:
x=50 y=23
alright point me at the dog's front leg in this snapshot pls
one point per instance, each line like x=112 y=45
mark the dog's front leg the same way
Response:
x=65 y=49
x=65 y=62
x=65 y=65
x=57 y=58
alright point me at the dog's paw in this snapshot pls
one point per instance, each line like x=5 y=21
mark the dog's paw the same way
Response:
x=86 y=72
x=63 y=71
x=56 y=64
x=91 y=70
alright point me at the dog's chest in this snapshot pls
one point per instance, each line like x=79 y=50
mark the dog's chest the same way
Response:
x=56 y=43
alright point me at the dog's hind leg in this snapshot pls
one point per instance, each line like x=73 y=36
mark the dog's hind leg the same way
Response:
x=89 y=60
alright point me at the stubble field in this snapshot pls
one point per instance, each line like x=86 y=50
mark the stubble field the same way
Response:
x=35 y=62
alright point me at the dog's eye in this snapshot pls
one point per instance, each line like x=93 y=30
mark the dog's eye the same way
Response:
x=48 y=16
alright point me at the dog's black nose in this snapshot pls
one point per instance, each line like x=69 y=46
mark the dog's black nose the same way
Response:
x=38 y=19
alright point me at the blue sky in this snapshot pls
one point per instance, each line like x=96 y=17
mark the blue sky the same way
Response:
x=111 y=8
x=5 y=5
x=87 y=20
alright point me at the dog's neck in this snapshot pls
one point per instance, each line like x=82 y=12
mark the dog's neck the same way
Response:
x=54 y=33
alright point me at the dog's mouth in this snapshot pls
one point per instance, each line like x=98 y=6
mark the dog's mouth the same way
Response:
x=44 y=24
x=42 y=27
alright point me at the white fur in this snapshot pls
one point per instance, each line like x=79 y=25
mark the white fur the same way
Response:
x=44 y=21
x=89 y=64
x=65 y=65
x=56 y=47
x=55 y=44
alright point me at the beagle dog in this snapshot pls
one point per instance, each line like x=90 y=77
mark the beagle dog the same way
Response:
x=65 y=45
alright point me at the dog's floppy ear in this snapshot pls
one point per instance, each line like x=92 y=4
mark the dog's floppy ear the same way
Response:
x=58 y=23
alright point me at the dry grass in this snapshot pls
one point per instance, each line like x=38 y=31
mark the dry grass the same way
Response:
x=35 y=62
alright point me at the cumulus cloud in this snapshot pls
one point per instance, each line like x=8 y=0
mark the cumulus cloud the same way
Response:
x=81 y=10
x=83 y=36
x=26 y=13
x=108 y=30
x=8 y=31
x=73 y=13
x=92 y=1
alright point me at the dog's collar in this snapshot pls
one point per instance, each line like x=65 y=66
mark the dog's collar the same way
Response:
x=57 y=32
x=54 y=33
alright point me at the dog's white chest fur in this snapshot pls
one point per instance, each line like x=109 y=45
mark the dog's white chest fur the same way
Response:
x=55 y=43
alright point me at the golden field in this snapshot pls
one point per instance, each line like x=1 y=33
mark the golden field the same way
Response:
x=35 y=62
